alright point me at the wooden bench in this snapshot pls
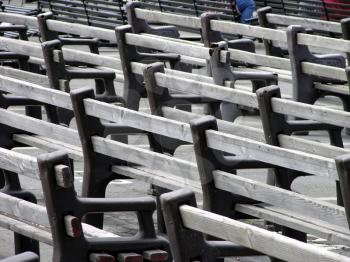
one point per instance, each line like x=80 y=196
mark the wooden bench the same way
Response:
x=189 y=223
x=194 y=8
x=135 y=124
x=315 y=26
x=24 y=257
x=333 y=120
x=61 y=74
x=314 y=9
x=170 y=165
x=128 y=43
x=8 y=8
x=309 y=85
x=69 y=235
x=100 y=60
x=139 y=19
x=66 y=212
x=29 y=219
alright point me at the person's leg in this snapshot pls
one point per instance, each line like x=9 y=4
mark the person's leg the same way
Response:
x=246 y=8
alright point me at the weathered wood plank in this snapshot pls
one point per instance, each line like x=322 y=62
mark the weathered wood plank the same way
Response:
x=39 y=127
x=258 y=59
x=294 y=202
x=316 y=24
x=167 y=46
x=168 y=18
x=329 y=43
x=208 y=90
x=21 y=47
x=158 y=178
x=18 y=163
x=93 y=59
x=339 y=89
x=289 y=142
x=253 y=237
x=242 y=29
x=156 y=161
x=50 y=145
x=324 y=71
x=25 y=229
x=36 y=215
x=312 y=112
x=18 y=74
x=18 y=19
x=296 y=160
x=35 y=92
x=143 y=121
x=289 y=221
x=81 y=30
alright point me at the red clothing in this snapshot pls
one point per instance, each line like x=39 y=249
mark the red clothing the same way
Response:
x=337 y=9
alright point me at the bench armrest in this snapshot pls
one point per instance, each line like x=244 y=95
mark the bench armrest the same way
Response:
x=117 y=204
x=12 y=100
x=78 y=41
x=191 y=38
x=242 y=44
x=310 y=125
x=76 y=73
x=234 y=162
x=114 y=128
x=166 y=30
x=160 y=56
x=262 y=76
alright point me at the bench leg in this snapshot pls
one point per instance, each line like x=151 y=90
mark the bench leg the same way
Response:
x=157 y=192
x=336 y=140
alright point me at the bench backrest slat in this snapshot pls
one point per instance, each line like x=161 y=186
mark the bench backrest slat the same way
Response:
x=168 y=18
x=252 y=237
x=316 y=24
x=298 y=203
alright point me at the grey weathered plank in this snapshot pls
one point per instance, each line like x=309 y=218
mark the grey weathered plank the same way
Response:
x=255 y=31
x=39 y=127
x=21 y=47
x=18 y=74
x=316 y=24
x=18 y=163
x=167 y=45
x=36 y=215
x=81 y=30
x=253 y=237
x=19 y=19
x=294 y=202
x=158 y=178
x=181 y=168
x=168 y=18
x=286 y=141
x=293 y=159
x=288 y=219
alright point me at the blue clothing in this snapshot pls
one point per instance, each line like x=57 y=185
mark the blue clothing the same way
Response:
x=246 y=8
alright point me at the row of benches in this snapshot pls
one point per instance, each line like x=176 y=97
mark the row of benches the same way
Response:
x=316 y=9
x=329 y=10
x=100 y=13
x=219 y=141
x=135 y=123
